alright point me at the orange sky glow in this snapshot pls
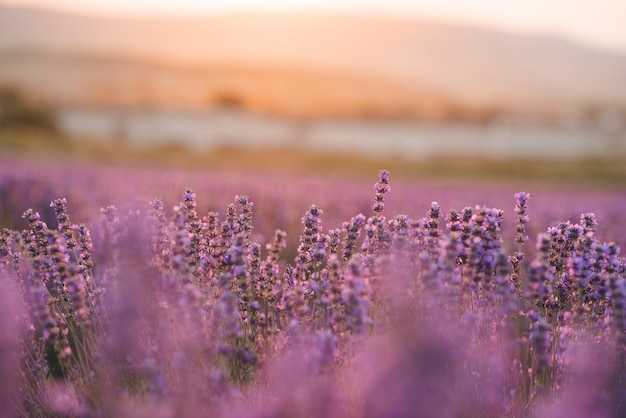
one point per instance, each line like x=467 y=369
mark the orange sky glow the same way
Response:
x=595 y=22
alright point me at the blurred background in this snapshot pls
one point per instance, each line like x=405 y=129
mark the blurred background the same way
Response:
x=453 y=89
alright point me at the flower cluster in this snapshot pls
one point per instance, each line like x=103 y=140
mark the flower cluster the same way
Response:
x=180 y=311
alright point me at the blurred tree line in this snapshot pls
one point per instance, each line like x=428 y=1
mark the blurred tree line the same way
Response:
x=18 y=112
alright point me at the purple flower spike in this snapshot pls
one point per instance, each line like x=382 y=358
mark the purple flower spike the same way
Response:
x=382 y=187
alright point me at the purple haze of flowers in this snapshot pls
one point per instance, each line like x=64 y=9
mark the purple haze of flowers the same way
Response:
x=182 y=311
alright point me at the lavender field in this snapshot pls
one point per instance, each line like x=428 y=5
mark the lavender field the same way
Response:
x=132 y=292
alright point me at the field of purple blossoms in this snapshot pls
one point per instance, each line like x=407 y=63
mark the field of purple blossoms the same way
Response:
x=194 y=302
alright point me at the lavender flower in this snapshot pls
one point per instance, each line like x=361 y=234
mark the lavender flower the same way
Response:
x=356 y=301
x=540 y=338
x=307 y=259
x=65 y=226
x=353 y=230
x=382 y=187
x=85 y=247
x=540 y=276
x=245 y=219
x=522 y=217
x=34 y=240
x=618 y=304
x=432 y=225
x=275 y=247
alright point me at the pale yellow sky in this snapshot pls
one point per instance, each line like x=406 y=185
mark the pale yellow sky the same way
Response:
x=596 y=22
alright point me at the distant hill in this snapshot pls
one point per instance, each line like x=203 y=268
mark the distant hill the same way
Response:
x=306 y=64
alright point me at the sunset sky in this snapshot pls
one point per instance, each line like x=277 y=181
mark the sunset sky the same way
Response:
x=596 y=22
